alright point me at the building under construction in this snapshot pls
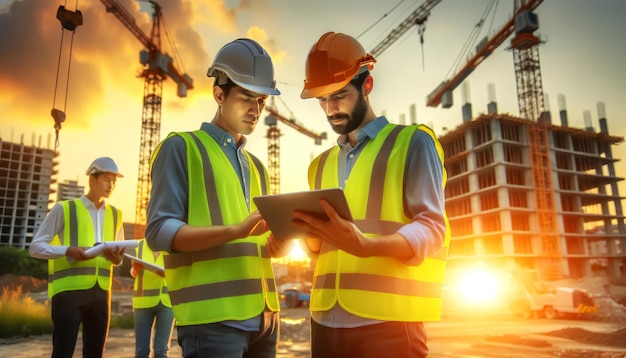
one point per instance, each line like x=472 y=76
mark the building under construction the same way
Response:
x=27 y=173
x=492 y=205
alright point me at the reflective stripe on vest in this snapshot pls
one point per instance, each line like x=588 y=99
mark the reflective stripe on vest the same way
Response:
x=234 y=281
x=377 y=287
x=78 y=232
x=149 y=288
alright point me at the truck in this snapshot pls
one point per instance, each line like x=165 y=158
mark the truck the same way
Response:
x=294 y=297
x=530 y=299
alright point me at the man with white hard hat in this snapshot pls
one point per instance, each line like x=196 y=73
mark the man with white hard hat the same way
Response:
x=79 y=285
x=104 y=165
x=218 y=268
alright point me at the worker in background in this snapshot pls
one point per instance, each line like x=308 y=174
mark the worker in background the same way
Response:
x=80 y=286
x=378 y=278
x=218 y=268
x=152 y=309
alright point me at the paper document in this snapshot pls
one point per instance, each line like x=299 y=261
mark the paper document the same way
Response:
x=147 y=265
x=97 y=249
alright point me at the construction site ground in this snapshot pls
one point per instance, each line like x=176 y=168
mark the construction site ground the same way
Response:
x=482 y=333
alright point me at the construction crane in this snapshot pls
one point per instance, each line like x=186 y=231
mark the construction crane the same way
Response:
x=525 y=47
x=443 y=93
x=157 y=67
x=417 y=17
x=273 y=142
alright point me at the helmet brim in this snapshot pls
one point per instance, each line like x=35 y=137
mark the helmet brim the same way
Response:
x=258 y=89
x=321 y=91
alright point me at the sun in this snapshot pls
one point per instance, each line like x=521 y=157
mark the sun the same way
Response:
x=297 y=254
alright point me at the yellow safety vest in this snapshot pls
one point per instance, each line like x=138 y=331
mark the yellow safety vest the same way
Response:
x=149 y=288
x=234 y=281
x=78 y=232
x=382 y=288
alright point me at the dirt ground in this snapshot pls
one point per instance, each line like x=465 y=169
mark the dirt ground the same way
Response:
x=295 y=329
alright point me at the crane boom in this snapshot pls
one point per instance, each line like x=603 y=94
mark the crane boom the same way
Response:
x=114 y=7
x=417 y=17
x=443 y=93
x=159 y=60
x=157 y=67
x=295 y=125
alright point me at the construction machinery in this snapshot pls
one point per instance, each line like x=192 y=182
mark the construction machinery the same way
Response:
x=529 y=299
x=273 y=142
x=295 y=297
x=157 y=67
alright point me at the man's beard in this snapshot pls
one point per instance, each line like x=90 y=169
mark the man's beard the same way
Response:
x=354 y=120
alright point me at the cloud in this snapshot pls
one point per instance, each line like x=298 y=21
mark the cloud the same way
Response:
x=260 y=35
x=104 y=56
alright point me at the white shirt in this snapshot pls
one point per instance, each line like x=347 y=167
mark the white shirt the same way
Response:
x=54 y=224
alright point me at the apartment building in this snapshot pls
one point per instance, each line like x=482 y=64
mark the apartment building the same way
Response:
x=492 y=204
x=27 y=173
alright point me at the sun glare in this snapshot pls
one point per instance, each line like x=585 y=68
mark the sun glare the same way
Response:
x=297 y=254
x=479 y=286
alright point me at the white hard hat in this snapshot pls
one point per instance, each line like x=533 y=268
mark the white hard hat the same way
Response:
x=247 y=64
x=103 y=165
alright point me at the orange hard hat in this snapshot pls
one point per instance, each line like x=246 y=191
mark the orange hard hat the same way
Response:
x=334 y=60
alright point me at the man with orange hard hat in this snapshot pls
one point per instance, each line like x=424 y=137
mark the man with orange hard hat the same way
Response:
x=380 y=276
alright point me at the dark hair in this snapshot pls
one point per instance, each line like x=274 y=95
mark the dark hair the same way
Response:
x=359 y=80
x=226 y=87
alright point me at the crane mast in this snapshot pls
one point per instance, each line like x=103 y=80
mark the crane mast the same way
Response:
x=525 y=46
x=157 y=67
x=273 y=142
x=417 y=17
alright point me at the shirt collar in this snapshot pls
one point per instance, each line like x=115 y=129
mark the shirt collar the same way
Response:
x=369 y=131
x=221 y=136
x=90 y=205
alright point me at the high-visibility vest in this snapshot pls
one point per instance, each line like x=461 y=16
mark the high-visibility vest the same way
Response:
x=78 y=232
x=234 y=281
x=382 y=288
x=149 y=288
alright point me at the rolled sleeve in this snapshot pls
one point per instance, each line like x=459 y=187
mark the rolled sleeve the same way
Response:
x=424 y=183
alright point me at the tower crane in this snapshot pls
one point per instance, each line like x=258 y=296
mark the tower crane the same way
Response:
x=273 y=142
x=157 y=67
x=443 y=93
x=525 y=47
x=417 y=17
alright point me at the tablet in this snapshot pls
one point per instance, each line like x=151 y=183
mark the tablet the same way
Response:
x=277 y=209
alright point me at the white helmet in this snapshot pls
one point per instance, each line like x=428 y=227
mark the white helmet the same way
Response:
x=103 y=165
x=247 y=64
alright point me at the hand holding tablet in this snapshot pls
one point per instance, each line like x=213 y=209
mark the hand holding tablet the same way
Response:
x=277 y=210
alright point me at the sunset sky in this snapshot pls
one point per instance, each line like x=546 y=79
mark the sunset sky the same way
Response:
x=582 y=58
